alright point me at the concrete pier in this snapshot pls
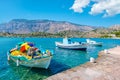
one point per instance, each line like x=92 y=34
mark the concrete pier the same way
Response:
x=107 y=67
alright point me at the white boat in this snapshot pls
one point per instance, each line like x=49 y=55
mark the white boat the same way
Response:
x=67 y=44
x=94 y=43
x=40 y=60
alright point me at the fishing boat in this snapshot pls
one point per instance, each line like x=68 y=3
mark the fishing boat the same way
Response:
x=37 y=59
x=94 y=43
x=68 y=44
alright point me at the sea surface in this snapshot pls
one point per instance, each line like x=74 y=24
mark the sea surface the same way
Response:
x=62 y=59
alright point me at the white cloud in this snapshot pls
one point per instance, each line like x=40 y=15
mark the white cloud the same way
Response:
x=107 y=7
x=79 y=5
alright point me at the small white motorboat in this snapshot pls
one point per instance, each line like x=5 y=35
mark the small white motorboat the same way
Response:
x=94 y=43
x=67 y=44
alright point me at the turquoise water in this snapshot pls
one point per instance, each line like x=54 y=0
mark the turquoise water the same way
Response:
x=62 y=59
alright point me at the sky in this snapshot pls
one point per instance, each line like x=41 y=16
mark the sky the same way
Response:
x=85 y=12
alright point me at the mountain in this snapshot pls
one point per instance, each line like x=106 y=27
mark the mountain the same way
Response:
x=23 y=26
x=115 y=27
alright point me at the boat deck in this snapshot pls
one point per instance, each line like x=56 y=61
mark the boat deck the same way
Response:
x=107 y=67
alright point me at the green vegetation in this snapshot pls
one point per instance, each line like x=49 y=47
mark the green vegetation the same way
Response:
x=106 y=36
x=43 y=34
x=112 y=34
x=91 y=34
x=35 y=34
x=117 y=33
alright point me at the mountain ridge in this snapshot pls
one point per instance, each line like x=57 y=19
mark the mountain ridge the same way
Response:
x=23 y=26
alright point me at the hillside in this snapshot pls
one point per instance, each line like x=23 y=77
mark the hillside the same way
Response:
x=24 y=26
x=49 y=28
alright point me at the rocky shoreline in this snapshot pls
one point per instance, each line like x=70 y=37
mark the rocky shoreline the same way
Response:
x=106 y=67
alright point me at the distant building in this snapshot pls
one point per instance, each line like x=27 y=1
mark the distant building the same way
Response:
x=112 y=35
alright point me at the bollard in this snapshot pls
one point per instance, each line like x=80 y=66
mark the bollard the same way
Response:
x=92 y=60
x=106 y=51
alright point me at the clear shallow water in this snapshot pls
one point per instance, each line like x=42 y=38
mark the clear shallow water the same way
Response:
x=62 y=59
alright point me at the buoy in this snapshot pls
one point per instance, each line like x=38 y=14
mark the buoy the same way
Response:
x=92 y=60
x=17 y=62
x=8 y=56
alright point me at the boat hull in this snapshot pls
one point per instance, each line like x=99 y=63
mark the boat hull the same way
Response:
x=39 y=63
x=96 y=44
x=93 y=43
x=72 y=46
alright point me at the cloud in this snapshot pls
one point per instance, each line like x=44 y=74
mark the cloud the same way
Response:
x=106 y=7
x=79 y=5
